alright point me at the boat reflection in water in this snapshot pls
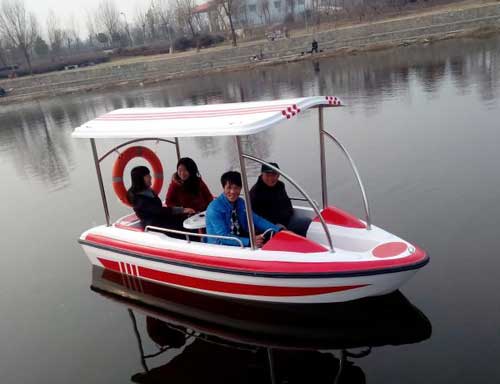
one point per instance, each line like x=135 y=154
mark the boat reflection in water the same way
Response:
x=242 y=342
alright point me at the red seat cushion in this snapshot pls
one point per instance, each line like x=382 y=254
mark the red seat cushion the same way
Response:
x=336 y=216
x=287 y=241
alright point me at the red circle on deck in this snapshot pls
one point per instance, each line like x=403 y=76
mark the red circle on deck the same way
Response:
x=389 y=249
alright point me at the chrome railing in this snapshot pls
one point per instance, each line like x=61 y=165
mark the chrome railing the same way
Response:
x=188 y=234
x=358 y=178
x=302 y=199
x=269 y=230
x=98 y=160
x=115 y=149
x=301 y=191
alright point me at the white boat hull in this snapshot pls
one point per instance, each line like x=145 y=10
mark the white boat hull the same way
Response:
x=288 y=269
x=247 y=287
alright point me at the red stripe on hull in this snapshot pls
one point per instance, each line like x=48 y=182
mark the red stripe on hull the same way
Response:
x=256 y=265
x=110 y=264
x=237 y=288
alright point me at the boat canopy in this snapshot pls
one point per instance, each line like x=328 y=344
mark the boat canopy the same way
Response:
x=232 y=119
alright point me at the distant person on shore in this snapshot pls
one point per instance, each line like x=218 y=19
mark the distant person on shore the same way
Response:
x=187 y=189
x=258 y=57
x=226 y=215
x=314 y=46
x=269 y=197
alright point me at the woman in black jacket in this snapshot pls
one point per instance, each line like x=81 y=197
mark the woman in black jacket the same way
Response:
x=148 y=206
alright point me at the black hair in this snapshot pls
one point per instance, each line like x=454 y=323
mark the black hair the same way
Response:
x=231 y=177
x=192 y=184
x=267 y=168
x=138 y=185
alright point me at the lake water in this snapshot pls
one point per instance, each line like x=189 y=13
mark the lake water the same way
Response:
x=422 y=126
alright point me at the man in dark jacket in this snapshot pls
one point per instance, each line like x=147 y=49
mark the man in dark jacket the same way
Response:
x=269 y=197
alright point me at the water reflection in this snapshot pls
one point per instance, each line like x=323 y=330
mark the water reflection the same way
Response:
x=219 y=360
x=36 y=136
x=37 y=147
x=208 y=146
x=232 y=341
x=256 y=145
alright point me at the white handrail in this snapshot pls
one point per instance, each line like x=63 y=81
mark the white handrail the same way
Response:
x=187 y=234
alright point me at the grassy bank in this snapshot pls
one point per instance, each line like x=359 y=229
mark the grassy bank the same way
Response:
x=478 y=19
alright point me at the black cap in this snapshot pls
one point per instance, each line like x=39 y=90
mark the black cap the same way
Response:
x=266 y=168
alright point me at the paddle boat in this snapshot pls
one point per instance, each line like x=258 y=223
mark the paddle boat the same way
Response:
x=325 y=255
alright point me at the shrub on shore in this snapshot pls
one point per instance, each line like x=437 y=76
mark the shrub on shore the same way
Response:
x=203 y=40
x=182 y=43
x=57 y=64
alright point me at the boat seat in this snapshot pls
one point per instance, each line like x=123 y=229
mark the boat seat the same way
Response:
x=130 y=222
x=300 y=221
x=286 y=241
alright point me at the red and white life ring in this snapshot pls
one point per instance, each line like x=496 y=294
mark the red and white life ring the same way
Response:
x=122 y=161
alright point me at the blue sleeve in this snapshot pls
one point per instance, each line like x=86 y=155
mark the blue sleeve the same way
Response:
x=262 y=224
x=216 y=225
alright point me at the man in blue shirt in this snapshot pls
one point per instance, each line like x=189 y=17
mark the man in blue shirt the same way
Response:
x=226 y=215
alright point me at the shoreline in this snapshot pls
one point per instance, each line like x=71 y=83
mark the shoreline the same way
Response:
x=472 y=22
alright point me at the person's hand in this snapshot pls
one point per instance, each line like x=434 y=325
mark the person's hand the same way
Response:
x=189 y=211
x=259 y=241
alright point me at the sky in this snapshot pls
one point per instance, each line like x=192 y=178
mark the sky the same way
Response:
x=64 y=9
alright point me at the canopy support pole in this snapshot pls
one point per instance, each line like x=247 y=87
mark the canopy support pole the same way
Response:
x=177 y=148
x=248 y=203
x=324 y=186
x=101 y=184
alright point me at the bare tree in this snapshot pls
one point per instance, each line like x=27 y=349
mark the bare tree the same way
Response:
x=19 y=27
x=73 y=33
x=316 y=4
x=3 y=54
x=165 y=18
x=185 y=14
x=54 y=32
x=263 y=8
x=290 y=9
x=140 y=23
x=152 y=22
x=230 y=6
x=108 y=18
x=90 y=25
x=221 y=19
